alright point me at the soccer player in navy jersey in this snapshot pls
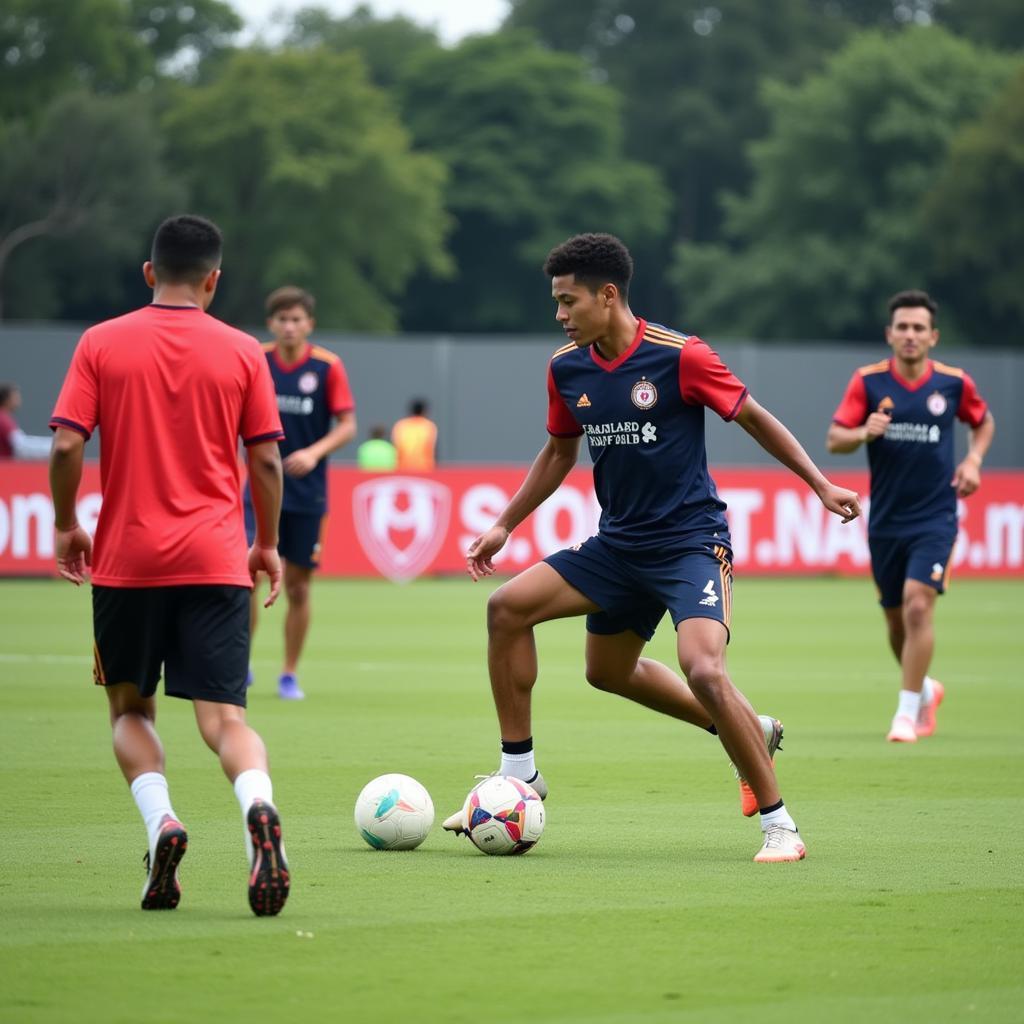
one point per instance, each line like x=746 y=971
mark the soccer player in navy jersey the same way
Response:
x=637 y=392
x=903 y=409
x=318 y=414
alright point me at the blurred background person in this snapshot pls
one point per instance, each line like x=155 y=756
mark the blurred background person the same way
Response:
x=14 y=442
x=415 y=438
x=377 y=454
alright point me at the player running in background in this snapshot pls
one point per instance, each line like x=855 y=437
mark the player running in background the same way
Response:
x=319 y=417
x=171 y=390
x=637 y=393
x=903 y=409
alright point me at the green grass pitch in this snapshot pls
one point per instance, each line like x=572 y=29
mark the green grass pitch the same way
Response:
x=640 y=903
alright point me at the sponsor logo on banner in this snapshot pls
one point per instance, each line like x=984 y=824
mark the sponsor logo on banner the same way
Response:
x=401 y=523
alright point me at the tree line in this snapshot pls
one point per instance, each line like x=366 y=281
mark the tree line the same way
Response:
x=778 y=169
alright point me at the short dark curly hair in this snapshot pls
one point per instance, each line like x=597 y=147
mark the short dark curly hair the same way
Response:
x=594 y=259
x=913 y=299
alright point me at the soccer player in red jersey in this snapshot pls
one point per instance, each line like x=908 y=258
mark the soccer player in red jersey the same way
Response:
x=637 y=392
x=171 y=390
x=905 y=410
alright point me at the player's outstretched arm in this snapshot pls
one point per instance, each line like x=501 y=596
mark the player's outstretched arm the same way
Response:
x=73 y=546
x=549 y=469
x=778 y=441
x=266 y=484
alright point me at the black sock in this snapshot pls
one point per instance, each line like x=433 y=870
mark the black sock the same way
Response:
x=711 y=729
x=768 y=810
x=517 y=746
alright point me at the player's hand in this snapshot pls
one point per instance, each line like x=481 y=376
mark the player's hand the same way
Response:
x=482 y=551
x=843 y=502
x=967 y=478
x=269 y=561
x=74 y=554
x=876 y=425
x=300 y=463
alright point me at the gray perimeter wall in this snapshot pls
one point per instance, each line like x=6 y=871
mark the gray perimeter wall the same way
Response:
x=488 y=395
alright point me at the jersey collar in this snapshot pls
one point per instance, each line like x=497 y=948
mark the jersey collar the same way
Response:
x=284 y=367
x=912 y=385
x=614 y=364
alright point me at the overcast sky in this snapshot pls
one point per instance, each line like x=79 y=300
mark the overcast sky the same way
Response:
x=452 y=19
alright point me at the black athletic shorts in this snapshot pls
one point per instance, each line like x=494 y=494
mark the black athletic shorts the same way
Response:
x=198 y=634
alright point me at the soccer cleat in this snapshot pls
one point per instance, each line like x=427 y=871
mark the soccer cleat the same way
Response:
x=457 y=823
x=269 y=880
x=781 y=844
x=772 y=728
x=288 y=687
x=162 y=891
x=902 y=730
x=925 y=724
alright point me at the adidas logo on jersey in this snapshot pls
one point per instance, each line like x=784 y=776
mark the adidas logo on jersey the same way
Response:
x=584 y=402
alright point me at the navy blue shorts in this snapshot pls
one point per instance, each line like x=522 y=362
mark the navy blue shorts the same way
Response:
x=634 y=590
x=300 y=536
x=923 y=557
x=198 y=635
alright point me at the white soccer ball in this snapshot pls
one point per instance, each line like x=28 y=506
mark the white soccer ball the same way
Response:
x=394 y=812
x=503 y=815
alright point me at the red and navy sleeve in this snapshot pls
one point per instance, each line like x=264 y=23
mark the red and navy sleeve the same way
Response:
x=339 y=394
x=561 y=422
x=853 y=409
x=705 y=380
x=973 y=407
x=78 y=405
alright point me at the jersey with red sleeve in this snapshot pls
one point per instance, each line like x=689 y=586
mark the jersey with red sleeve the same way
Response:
x=171 y=390
x=310 y=393
x=912 y=464
x=643 y=417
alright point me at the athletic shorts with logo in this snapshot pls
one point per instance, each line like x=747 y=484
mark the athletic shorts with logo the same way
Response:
x=923 y=557
x=300 y=536
x=634 y=590
x=198 y=634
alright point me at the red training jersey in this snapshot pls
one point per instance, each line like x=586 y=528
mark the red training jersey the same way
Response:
x=171 y=390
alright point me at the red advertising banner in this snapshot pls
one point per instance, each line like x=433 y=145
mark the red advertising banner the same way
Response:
x=401 y=527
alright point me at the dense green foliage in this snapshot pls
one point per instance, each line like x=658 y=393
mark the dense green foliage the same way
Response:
x=671 y=124
x=639 y=904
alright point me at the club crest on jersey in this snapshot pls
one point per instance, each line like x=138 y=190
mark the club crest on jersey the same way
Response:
x=936 y=403
x=644 y=394
x=308 y=383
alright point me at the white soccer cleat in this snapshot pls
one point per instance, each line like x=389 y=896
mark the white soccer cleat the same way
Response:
x=902 y=730
x=925 y=724
x=781 y=844
x=457 y=822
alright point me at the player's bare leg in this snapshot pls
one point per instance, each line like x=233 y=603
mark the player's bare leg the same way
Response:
x=243 y=757
x=140 y=755
x=916 y=628
x=537 y=595
x=614 y=665
x=297 y=584
x=701 y=649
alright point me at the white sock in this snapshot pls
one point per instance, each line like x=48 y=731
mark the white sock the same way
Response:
x=251 y=785
x=149 y=790
x=927 y=690
x=910 y=704
x=519 y=766
x=780 y=816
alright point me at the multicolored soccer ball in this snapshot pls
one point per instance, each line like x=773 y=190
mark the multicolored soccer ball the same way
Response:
x=503 y=816
x=394 y=812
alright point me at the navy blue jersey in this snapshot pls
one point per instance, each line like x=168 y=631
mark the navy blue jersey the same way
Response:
x=310 y=393
x=643 y=417
x=912 y=463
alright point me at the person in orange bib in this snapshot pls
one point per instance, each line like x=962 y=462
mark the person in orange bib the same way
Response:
x=415 y=439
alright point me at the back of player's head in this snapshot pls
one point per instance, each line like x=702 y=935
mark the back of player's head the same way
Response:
x=594 y=260
x=289 y=297
x=7 y=389
x=418 y=407
x=185 y=249
x=913 y=298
